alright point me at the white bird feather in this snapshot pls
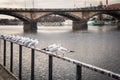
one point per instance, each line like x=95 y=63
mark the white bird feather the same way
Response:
x=55 y=48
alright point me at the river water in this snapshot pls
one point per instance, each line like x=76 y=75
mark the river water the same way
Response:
x=98 y=46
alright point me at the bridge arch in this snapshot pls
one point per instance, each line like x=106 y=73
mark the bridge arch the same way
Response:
x=21 y=17
x=64 y=14
x=77 y=24
x=28 y=25
x=113 y=14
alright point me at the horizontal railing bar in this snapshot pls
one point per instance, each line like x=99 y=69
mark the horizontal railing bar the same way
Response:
x=85 y=65
x=76 y=62
x=88 y=66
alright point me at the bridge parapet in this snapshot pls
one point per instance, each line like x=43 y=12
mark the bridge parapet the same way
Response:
x=59 y=9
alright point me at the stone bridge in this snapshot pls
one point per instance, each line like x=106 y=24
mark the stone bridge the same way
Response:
x=79 y=16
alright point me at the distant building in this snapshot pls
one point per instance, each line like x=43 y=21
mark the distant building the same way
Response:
x=10 y=22
x=104 y=16
x=114 y=5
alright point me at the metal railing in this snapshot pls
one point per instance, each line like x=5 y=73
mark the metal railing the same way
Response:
x=78 y=64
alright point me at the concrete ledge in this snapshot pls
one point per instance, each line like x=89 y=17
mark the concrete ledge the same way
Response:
x=5 y=74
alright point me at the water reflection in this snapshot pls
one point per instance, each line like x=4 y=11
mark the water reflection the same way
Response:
x=98 y=46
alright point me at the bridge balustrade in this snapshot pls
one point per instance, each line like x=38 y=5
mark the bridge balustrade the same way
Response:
x=63 y=9
x=79 y=64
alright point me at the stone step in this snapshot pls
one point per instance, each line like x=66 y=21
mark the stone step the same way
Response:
x=5 y=74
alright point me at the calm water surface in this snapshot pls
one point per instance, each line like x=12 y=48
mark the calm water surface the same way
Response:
x=99 y=46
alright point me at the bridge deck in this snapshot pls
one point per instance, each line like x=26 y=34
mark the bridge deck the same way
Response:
x=94 y=9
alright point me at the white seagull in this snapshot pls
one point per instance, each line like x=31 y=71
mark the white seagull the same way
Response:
x=51 y=48
x=55 y=48
x=33 y=43
x=26 y=41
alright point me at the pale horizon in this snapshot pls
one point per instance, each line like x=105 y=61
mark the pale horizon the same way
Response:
x=52 y=3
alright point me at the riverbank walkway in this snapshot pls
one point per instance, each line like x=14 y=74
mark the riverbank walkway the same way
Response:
x=5 y=74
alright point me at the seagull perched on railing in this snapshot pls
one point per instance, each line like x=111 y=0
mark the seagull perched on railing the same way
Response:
x=26 y=41
x=51 y=48
x=33 y=43
x=55 y=48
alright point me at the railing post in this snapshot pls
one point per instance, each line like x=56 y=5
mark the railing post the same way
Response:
x=32 y=63
x=50 y=67
x=4 y=53
x=20 y=62
x=11 y=56
x=78 y=72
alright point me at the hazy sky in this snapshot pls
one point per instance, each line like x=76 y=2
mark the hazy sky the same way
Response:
x=51 y=3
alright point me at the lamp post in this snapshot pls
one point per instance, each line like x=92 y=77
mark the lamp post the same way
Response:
x=106 y=3
x=25 y=3
x=74 y=4
x=85 y=3
x=33 y=4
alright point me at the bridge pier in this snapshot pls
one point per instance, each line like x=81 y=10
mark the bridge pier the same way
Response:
x=30 y=26
x=78 y=25
x=118 y=25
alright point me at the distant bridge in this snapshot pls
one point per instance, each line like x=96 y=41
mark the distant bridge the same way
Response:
x=79 y=16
